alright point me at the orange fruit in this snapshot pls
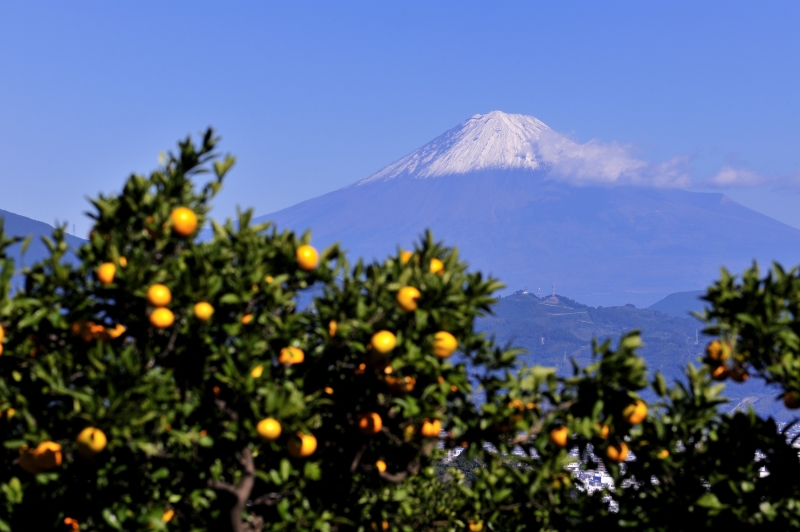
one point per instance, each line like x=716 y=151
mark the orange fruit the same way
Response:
x=559 y=436
x=2 y=333
x=307 y=257
x=10 y=413
x=117 y=331
x=718 y=351
x=159 y=295
x=106 y=272
x=257 y=371
x=476 y=526
x=383 y=342
x=407 y=298
x=203 y=311
x=302 y=445
x=329 y=390
x=72 y=523
x=603 y=430
x=617 y=452
x=791 y=400
x=720 y=373
x=268 y=279
x=1 y=349
x=123 y=262
x=90 y=441
x=161 y=318
x=184 y=221
x=332 y=327
x=431 y=428
x=738 y=374
x=291 y=355
x=662 y=454
x=380 y=465
x=437 y=266
x=246 y=319
x=405 y=256
x=47 y=455
x=269 y=429
x=635 y=413
x=444 y=344
x=167 y=516
x=383 y=526
x=370 y=423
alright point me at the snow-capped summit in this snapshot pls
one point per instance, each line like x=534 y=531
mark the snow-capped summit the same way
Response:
x=493 y=141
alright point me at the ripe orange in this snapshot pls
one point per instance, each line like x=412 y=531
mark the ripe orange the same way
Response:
x=1 y=349
x=662 y=454
x=405 y=256
x=246 y=319
x=47 y=456
x=444 y=344
x=9 y=413
x=437 y=266
x=329 y=390
x=161 y=318
x=167 y=516
x=370 y=423
x=635 y=413
x=617 y=452
x=106 y=272
x=72 y=523
x=332 y=327
x=718 y=351
x=302 y=445
x=90 y=441
x=257 y=371
x=159 y=295
x=431 y=428
x=123 y=262
x=291 y=355
x=604 y=431
x=791 y=400
x=720 y=373
x=268 y=279
x=383 y=342
x=408 y=297
x=380 y=465
x=476 y=526
x=203 y=311
x=559 y=436
x=184 y=221
x=307 y=257
x=269 y=429
x=2 y=333
x=116 y=332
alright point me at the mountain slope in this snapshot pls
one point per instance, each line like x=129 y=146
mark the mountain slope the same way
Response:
x=16 y=225
x=510 y=216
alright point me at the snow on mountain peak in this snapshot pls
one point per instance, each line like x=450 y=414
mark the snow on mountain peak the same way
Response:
x=490 y=141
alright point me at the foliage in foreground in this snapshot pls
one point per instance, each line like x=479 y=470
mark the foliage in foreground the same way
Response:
x=162 y=382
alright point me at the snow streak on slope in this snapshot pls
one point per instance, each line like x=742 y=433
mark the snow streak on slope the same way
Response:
x=494 y=141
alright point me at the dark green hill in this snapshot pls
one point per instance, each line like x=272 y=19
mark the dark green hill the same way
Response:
x=556 y=331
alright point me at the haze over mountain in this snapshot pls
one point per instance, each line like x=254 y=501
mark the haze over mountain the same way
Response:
x=532 y=206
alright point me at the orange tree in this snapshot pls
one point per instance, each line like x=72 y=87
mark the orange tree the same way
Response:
x=167 y=382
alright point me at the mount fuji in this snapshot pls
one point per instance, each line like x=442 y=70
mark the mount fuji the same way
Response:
x=531 y=206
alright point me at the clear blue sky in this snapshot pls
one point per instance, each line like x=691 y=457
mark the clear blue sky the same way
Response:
x=314 y=96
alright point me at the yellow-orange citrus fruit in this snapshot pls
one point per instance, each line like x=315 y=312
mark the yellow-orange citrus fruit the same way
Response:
x=307 y=257
x=291 y=355
x=1 y=349
x=302 y=445
x=90 y=441
x=47 y=455
x=617 y=452
x=406 y=256
x=444 y=344
x=184 y=221
x=437 y=266
x=604 y=430
x=123 y=262
x=116 y=332
x=370 y=423
x=106 y=272
x=329 y=390
x=269 y=429
x=718 y=351
x=476 y=526
x=720 y=373
x=162 y=318
x=167 y=516
x=636 y=412
x=380 y=465
x=738 y=374
x=332 y=327
x=246 y=319
x=559 y=436
x=408 y=297
x=257 y=371
x=10 y=413
x=2 y=333
x=268 y=279
x=383 y=342
x=72 y=523
x=431 y=428
x=203 y=311
x=159 y=295
x=383 y=526
x=662 y=454
x=791 y=400
x=400 y=384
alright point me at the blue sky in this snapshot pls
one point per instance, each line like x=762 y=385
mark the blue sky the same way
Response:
x=314 y=96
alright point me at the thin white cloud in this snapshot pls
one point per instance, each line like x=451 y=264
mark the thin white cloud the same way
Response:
x=730 y=177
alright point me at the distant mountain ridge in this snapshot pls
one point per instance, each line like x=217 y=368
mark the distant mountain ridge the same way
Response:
x=487 y=186
x=21 y=226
